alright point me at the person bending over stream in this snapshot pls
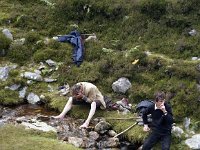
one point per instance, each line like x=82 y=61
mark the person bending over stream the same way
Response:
x=84 y=93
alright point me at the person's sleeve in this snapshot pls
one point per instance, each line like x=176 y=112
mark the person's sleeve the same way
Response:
x=168 y=116
x=144 y=115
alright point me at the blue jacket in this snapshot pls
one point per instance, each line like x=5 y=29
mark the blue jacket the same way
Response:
x=75 y=39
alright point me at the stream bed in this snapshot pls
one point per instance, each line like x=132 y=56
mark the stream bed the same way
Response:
x=98 y=136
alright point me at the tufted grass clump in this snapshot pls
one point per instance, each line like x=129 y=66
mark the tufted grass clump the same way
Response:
x=32 y=37
x=4 y=44
x=9 y=97
x=20 y=54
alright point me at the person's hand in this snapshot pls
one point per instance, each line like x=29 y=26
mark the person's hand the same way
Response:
x=85 y=125
x=146 y=128
x=61 y=117
x=162 y=107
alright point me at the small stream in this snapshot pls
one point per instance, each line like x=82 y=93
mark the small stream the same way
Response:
x=37 y=117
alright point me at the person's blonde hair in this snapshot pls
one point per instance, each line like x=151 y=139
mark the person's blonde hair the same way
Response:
x=75 y=89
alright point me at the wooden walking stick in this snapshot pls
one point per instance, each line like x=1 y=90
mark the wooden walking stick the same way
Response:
x=125 y=130
x=124 y=118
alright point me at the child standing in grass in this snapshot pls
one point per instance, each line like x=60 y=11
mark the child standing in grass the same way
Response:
x=161 y=125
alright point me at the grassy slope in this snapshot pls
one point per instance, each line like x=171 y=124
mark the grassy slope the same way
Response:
x=16 y=137
x=128 y=28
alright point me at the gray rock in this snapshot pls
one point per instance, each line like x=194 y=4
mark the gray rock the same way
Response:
x=109 y=143
x=33 y=98
x=37 y=72
x=22 y=93
x=32 y=76
x=198 y=87
x=4 y=72
x=192 y=32
x=198 y=67
x=112 y=133
x=177 y=131
x=121 y=85
x=37 y=125
x=51 y=63
x=8 y=34
x=194 y=142
x=93 y=135
x=186 y=123
x=19 y=41
x=13 y=87
x=194 y=58
x=77 y=142
x=102 y=127
x=49 y=80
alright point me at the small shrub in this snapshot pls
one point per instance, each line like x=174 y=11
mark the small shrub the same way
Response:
x=154 y=9
x=22 y=21
x=20 y=54
x=54 y=44
x=72 y=74
x=14 y=73
x=186 y=7
x=59 y=55
x=32 y=37
x=177 y=21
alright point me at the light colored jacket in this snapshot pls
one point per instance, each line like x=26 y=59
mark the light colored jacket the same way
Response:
x=92 y=93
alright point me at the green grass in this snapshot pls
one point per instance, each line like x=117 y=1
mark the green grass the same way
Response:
x=18 y=138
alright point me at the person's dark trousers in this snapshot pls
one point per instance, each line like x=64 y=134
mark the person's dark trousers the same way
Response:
x=154 y=137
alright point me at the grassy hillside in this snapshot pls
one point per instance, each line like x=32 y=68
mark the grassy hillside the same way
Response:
x=127 y=29
x=17 y=137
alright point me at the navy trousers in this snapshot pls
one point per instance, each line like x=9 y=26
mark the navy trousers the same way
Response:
x=154 y=138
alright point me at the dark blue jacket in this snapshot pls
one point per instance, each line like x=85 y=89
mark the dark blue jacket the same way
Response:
x=75 y=39
x=161 y=123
